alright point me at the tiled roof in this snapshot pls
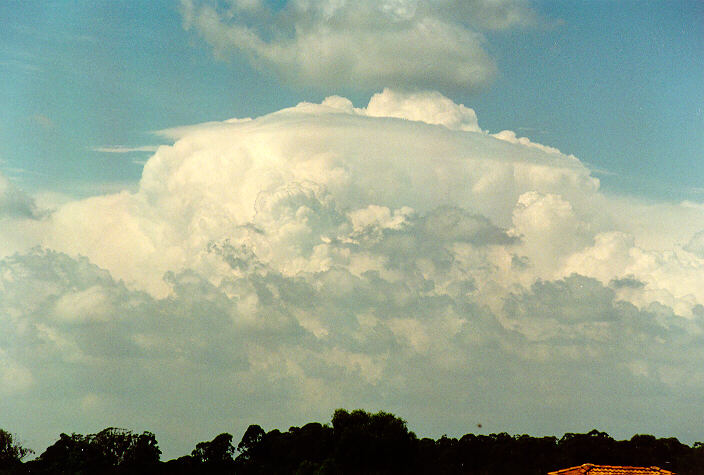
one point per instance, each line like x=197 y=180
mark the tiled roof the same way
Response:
x=591 y=469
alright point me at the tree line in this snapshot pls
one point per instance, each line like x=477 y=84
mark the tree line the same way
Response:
x=354 y=442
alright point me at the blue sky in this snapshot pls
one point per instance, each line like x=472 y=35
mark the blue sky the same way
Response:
x=460 y=211
x=618 y=85
x=82 y=75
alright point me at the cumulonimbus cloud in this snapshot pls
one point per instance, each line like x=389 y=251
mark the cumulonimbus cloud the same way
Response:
x=363 y=44
x=392 y=256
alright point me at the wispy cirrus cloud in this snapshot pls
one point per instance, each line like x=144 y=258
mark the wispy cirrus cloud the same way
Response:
x=124 y=149
x=43 y=121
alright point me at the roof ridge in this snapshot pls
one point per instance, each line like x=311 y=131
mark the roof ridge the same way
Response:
x=595 y=469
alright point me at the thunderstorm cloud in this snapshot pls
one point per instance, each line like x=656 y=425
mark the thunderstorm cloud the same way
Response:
x=272 y=269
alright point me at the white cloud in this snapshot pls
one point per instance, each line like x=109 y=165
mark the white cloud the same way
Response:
x=363 y=44
x=510 y=136
x=428 y=107
x=392 y=256
x=550 y=230
x=123 y=149
x=221 y=177
x=290 y=185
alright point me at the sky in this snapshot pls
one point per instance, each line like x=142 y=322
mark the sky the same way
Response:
x=487 y=212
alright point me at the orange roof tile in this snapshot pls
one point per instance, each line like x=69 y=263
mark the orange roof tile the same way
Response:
x=591 y=469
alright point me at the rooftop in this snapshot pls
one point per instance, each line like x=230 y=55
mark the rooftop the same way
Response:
x=591 y=469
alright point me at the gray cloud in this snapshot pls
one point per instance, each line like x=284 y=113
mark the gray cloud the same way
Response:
x=628 y=282
x=696 y=244
x=14 y=203
x=363 y=44
x=274 y=349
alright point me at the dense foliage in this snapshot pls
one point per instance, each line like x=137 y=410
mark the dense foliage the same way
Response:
x=111 y=450
x=355 y=442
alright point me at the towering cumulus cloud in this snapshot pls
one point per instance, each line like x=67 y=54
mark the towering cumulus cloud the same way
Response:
x=362 y=43
x=393 y=256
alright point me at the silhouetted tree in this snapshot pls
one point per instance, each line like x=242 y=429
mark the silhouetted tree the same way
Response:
x=597 y=447
x=70 y=454
x=143 y=451
x=111 y=450
x=11 y=452
x=354 y=442
x=375 y=443
x=215 y=455
x=250 y=440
